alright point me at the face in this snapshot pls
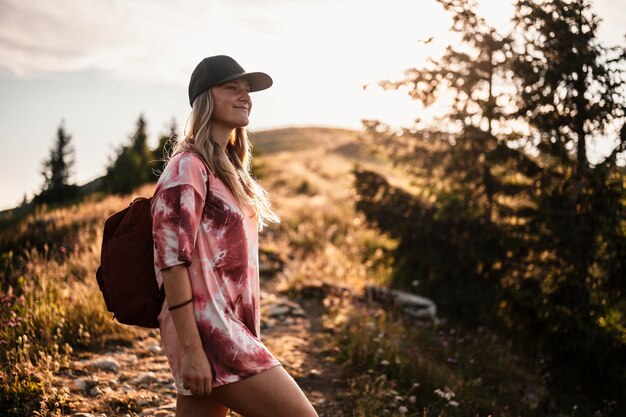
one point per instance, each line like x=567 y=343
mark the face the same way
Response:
x=232 y=103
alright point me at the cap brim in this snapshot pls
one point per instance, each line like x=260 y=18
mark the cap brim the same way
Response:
x=258 y=80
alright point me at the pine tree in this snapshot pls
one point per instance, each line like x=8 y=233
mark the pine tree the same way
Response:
x=471 y=140
x=57 y=170
x=131 y=167
x=571 y=86
x=572 y=89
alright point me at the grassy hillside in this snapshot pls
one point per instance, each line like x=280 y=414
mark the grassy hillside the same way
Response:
x=301 y=138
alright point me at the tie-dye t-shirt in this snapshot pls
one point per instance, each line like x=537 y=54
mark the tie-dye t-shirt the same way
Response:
x=197 y=222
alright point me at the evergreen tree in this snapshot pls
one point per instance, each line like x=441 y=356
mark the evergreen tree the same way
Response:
x=571 y=89
x=472 y=140
x=57 y=170
x=571 y=86
x=131 y=168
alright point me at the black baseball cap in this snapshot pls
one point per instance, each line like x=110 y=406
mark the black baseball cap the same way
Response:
x=219 y=69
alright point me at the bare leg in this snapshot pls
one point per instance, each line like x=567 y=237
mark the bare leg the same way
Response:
x=196 y=406
x=272 y=393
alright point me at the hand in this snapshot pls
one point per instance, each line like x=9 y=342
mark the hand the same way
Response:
x=196 y=372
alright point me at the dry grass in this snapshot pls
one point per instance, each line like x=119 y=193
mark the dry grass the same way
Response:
x=51 y=303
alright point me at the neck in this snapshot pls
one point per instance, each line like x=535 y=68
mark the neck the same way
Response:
x=221 y=134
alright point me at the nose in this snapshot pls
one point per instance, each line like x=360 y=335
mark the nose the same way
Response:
x=245 y=97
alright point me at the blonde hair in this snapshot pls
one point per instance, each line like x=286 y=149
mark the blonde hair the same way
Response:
x=231 y=165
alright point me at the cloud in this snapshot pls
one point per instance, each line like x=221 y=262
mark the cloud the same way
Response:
x=139 y=40
x=40 y=37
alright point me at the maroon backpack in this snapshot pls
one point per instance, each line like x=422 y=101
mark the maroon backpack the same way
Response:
x=126 y=274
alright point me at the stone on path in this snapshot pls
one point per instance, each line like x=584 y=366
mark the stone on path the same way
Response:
x=106 y=364
x=145 y=378
x=83 y=385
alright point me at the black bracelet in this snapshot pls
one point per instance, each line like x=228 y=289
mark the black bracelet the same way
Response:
x=180 y=305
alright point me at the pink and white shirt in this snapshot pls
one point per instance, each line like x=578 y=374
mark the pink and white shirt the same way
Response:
x=198 y=222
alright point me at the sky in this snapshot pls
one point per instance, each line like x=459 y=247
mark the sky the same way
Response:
x=97 y=65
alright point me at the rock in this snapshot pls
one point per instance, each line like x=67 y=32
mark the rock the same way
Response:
x=125 y=388
x=284 y=307
x=95 y=391
x=145 y=378
x=144 y=400
x=83 y=415
x=80 y=385
x=155 y=348
x=131 y=358
x=278 y=310
x=411 y=304
x=106 y=364
x=83 y=385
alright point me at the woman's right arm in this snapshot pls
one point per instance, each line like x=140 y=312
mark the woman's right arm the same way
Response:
x=195 y=368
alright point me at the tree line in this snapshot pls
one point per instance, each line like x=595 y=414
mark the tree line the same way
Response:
x=512 y=224
x=134 y=163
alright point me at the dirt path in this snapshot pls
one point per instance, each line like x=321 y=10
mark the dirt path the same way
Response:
x=298 y=341
x=135 y=380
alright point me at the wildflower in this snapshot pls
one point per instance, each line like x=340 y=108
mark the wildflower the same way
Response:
x=446 y=393
x=412 y=399
x=384 y=362
x=453 y=403
x=398 y=398
x=403 y=410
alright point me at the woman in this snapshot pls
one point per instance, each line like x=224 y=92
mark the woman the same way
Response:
x=206 y=212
